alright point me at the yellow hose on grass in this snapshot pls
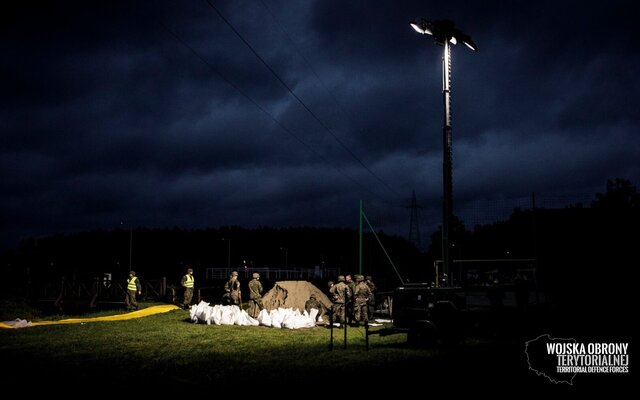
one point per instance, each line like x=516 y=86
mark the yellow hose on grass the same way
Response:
x=119 y=317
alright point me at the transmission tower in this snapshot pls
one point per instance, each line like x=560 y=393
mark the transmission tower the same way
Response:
x=414 y=223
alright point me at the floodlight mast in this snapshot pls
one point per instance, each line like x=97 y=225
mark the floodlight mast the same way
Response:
x=445 y=32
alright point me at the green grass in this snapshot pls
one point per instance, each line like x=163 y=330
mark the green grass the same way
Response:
x=171 y=348
x=168 y=352
x=10 y=310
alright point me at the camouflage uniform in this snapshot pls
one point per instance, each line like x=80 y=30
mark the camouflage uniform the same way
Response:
x=361 y=296
x=314 y=303
x=372 y=298
x=340 y=292
x=232 y=289
x=255 y=294
x=349 y=303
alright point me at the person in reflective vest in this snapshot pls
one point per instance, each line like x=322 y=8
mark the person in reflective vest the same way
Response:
x=187 y=283
x=133 y=288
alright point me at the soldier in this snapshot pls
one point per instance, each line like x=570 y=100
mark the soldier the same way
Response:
x=187 y=283
x=340 y=292
x=349 y=302
x=361 y=298
x=232 y=289
x=133 y=287
x=255 y=294
x=372 y=298
x=314 y=303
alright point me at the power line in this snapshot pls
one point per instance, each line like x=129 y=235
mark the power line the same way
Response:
x=302 y=103
x=306 y=61
x=257 y=105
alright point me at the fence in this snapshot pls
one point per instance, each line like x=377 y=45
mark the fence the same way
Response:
x=275 y=273
x=91 y=290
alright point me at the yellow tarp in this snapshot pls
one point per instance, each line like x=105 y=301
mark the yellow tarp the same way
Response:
x=120 y=317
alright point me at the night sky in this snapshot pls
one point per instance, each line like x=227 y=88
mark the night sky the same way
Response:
x=159 y=114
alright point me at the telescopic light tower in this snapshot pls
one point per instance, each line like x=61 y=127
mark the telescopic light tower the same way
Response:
x=445 y=32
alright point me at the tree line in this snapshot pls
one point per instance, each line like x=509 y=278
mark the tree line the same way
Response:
x=579 y=246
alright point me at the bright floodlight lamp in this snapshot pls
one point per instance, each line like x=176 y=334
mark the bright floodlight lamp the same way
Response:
x=445 y=32
x=423 y=27
x=467 y=41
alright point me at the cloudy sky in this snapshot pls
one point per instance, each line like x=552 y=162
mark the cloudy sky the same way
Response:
x=287 y=113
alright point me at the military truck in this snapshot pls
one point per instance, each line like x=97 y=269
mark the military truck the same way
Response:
x=428 y=315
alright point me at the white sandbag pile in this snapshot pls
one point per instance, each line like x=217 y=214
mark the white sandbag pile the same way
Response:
x=288 y=318
x=220 y=315
x=232 y=315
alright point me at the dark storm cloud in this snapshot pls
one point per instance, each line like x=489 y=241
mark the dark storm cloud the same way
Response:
x=108 y=115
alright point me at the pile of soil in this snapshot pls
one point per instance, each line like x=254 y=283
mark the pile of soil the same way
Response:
x=293 y=294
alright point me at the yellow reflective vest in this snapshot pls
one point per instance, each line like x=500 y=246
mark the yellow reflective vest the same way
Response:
x=131 y=284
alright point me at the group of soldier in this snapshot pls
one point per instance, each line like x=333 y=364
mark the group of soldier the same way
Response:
x=232 y=292
x=353 y=302
x=233 y=295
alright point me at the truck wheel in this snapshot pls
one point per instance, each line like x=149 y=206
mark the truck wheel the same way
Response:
x=423 y=334
x=450 y=322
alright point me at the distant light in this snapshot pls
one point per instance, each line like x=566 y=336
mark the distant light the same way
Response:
x=453 y=40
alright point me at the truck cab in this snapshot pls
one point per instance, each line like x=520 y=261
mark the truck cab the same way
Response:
x=428 y=314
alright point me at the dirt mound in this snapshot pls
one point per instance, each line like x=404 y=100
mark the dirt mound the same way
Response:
x=293 y=294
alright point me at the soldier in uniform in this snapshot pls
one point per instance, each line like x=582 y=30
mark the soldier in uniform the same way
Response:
x=255 y=294
x=314 y=303
x=349 y=303
x=187 y=283
x=361 y=298
x=372 y=298
x=133 y=288
x=340 y=292
x=232 y=289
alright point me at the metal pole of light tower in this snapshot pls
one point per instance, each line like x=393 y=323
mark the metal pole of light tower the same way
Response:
x=447 y=163
x=444 y=32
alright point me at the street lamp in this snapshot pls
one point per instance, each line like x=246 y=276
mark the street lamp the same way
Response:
x=445 y=32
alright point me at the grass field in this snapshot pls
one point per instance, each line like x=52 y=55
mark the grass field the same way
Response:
x=168 y=352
